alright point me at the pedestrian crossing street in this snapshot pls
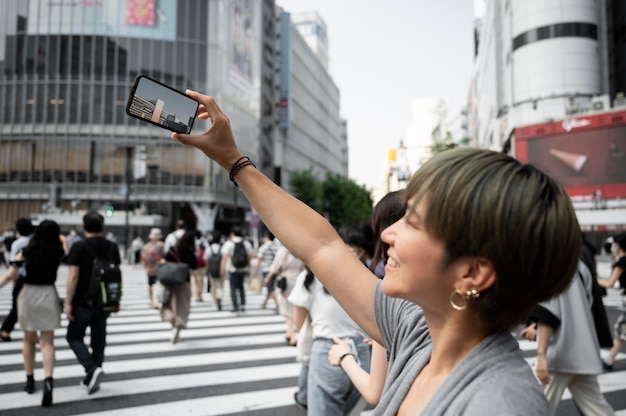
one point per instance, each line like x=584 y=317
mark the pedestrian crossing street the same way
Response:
x=225 y=364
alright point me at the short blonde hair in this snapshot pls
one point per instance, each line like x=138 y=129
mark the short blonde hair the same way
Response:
x=488 y=204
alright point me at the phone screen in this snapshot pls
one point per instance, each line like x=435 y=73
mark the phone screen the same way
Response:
x=161 y=105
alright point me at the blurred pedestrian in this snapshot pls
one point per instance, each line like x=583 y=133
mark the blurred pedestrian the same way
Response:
x=236 y=273
x=214 y=270
x=15 y=273
x=39 y=306
x=567 y=348
x=172 y=238
x=285 y=268
x=618 y=273
x=134 y=252
x=265 y=256
x=80 y=313
x=359 y=237
x=151 y=256
x=72 y=237
x=197 y=285
x=176 y=309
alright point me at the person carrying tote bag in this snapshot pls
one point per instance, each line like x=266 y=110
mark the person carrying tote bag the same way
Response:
x=175 y=310
x=172 y=274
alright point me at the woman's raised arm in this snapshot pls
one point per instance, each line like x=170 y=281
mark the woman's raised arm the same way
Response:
x=299 y=228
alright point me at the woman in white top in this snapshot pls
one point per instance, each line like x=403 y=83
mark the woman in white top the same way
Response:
x=329 y=389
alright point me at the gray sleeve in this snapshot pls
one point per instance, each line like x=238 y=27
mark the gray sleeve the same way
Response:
x=382 y=312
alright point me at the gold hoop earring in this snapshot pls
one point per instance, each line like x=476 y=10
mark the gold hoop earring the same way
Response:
x=454 y=304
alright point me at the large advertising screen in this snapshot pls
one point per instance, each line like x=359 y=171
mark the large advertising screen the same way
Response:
x=242 y=32
x=151 y=19
x=586 y=155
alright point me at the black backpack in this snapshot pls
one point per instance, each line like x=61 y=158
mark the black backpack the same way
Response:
x=240 y=256
x=214 y=262
x=105 y=287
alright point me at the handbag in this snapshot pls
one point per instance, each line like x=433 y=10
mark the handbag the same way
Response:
x=281 y=283
x=171 y=274
x=255 y=285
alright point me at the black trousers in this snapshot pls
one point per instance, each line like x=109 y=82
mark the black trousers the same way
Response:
x=11 y=319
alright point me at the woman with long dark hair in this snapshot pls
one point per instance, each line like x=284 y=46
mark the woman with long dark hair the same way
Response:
x=39 y=308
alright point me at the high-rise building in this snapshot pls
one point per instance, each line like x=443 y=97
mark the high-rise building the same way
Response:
x=544 y=60
x=67 y=144
x=311 y=134
x=548 y=88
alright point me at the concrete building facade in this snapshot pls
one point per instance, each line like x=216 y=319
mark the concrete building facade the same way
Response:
x=67 y=145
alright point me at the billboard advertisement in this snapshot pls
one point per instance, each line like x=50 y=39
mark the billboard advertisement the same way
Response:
x=587 y=155
x=242 y=32
x=150 y=19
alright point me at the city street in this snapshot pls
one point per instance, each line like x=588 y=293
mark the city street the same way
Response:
x=224 y=365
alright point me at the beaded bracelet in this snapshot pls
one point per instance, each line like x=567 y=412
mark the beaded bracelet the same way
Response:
x=344 y=355
x=242 y=162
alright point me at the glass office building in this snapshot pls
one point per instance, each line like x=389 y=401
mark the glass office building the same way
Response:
x=66 y=143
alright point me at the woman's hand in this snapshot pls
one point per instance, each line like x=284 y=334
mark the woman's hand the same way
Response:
x=68 y=310
x=541 y=369
x=218 y=142
x=340 y=348
x=530 y=332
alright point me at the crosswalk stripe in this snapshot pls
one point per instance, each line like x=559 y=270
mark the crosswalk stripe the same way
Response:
x=213 y=406
x=156 y=384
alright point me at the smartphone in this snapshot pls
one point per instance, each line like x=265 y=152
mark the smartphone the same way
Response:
x=161 y=105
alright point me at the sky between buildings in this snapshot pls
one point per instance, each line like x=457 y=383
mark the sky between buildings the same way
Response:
x=383 y=55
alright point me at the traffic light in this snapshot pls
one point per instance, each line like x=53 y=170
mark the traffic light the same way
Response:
x=108 y=210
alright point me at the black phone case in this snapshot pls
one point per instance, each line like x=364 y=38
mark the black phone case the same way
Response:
x=171 y=126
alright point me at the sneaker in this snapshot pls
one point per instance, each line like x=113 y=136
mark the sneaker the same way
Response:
x=606 y=365
x=94 y=382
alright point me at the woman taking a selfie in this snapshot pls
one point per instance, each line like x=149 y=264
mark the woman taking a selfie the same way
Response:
x=484 y=239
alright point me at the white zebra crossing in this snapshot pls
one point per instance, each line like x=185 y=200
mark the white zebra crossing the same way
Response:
x=218 y=349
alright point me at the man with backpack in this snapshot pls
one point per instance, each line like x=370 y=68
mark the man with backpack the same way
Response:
x=236 y=254
x=83 y=307
x=214 y=272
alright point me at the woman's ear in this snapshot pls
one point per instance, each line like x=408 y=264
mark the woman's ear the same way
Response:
x=478 y=274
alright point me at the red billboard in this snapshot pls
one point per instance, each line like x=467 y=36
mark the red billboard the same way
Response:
x=584 y=154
